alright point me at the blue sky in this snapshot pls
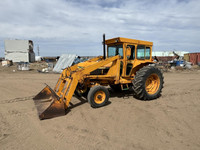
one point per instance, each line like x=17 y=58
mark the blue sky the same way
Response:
x=75 y=26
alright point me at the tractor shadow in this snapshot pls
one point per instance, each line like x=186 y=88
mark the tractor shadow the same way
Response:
x=82 y=100
x=72 y=105
x=125 y=94
x=121 y=94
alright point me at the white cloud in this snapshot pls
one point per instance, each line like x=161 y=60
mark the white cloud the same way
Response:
x=63 y=26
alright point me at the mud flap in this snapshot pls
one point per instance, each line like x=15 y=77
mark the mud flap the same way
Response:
x=48 y=104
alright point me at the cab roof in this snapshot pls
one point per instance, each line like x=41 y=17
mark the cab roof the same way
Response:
x=126 y=40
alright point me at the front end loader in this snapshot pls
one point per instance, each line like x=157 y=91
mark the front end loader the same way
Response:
x=125 y=64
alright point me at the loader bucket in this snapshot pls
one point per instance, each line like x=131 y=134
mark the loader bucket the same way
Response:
x=48 y=104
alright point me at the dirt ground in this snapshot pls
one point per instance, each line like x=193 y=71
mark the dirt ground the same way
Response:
x=170 y=122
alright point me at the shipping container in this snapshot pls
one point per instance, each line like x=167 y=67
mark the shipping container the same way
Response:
x=186 y=57
x=194 y=58
x=198 y=59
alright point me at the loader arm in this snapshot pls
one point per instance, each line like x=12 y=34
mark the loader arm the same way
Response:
x=52 y=103
x=78 y=76
x=68 y=71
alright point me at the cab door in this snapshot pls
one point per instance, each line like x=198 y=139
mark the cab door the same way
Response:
x=129 y=60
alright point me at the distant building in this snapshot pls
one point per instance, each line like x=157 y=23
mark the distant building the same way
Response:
x=168 y=53
x=19 y=50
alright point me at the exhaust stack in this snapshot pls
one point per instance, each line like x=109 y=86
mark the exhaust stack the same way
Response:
x=104 y=46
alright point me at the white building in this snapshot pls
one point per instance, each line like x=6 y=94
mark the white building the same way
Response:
x=168 y=53
x=19 y=50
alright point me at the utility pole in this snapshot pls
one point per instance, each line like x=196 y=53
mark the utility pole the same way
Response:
x=38 y=49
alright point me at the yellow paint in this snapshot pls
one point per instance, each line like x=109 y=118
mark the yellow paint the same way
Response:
x=152 y=84
x=99 y=97
x=109 y=72
x=126 y=40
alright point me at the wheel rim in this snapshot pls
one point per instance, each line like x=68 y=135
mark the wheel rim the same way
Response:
x=99 y=97
x=152 y=84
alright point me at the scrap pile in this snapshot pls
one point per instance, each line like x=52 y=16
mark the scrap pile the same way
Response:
x=178 y=61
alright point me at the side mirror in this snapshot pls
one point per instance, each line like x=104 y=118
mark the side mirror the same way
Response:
x=128 y=52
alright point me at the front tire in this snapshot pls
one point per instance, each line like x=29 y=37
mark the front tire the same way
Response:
x=98 y=96
x=148 y=83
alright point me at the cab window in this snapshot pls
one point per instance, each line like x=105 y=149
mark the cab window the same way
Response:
x=147 y=53
x=115 y=50
x=140 y=51
x=143 y=52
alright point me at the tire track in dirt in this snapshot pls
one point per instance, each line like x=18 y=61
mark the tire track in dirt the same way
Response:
x=15 y=100
x=5 y=126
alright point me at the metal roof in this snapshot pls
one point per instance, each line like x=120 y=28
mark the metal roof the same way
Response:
x=64 y=61
x=126 y=40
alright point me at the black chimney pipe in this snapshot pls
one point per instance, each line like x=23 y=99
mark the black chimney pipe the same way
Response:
x=104 y=46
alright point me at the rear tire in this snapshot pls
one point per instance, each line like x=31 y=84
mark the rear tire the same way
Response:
x=148 y=83
x=98 y=96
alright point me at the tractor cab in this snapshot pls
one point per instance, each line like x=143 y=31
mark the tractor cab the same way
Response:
x=132 y=53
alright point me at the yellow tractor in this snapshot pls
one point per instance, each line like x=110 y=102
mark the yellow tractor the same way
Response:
x=125 y=63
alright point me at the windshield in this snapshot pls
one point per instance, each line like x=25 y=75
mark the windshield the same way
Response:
x=115 y=50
